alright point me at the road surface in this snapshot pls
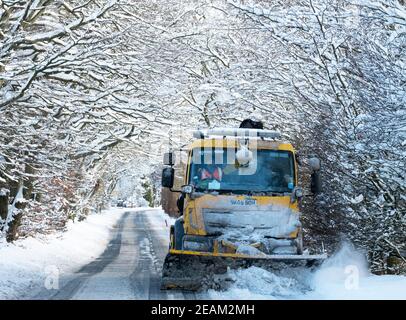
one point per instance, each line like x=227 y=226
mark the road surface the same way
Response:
x=129 y=268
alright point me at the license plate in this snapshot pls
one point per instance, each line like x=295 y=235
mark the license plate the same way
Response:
x=245 y=202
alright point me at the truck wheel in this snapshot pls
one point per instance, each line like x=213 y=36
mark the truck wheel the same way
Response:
x=299 y=242
x=171 y=237
x=179 y=232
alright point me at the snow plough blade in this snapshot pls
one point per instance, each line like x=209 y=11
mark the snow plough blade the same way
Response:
x=187 y=270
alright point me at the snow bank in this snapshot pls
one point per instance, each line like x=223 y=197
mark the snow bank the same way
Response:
x=25 y=264
x=160 y=222
x=343 y=276
x=259 y=284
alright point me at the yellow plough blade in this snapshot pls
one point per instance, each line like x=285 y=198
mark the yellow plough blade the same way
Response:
x=189 y=270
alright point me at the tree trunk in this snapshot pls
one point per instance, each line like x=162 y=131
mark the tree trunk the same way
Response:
x=12 y=233
x=29 y=182
x=4 y=198
x=19 y=206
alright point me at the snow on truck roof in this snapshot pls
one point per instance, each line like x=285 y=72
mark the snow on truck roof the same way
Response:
x=236 y=132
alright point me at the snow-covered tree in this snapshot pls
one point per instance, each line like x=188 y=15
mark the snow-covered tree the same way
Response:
x=344 y=62
x=93 y=92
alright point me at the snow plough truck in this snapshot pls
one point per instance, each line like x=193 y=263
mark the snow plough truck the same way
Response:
x=239 y=206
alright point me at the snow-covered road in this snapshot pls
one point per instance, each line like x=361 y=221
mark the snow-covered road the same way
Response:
x=31 y=263
x=119 y=255
x=130 y=266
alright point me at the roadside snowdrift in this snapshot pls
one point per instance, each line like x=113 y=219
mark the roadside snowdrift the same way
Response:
x=160 y=223
x=26 y=263
x=343 y=276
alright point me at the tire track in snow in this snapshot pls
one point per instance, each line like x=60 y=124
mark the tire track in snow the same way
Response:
x=129 y=268
x=68 y=290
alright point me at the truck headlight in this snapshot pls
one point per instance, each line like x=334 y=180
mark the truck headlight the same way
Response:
x=188 y=189
x=299 y=192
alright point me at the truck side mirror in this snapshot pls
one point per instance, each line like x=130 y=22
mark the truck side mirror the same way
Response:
x=168 y=177
x=315 y=165
x=169 y=158
x=316 y=182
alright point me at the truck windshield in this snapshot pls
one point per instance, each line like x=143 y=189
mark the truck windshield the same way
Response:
x=216 y=169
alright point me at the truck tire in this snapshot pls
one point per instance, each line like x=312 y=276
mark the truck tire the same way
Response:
x=178 y=234
x=171 y=237
x=299 y=242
